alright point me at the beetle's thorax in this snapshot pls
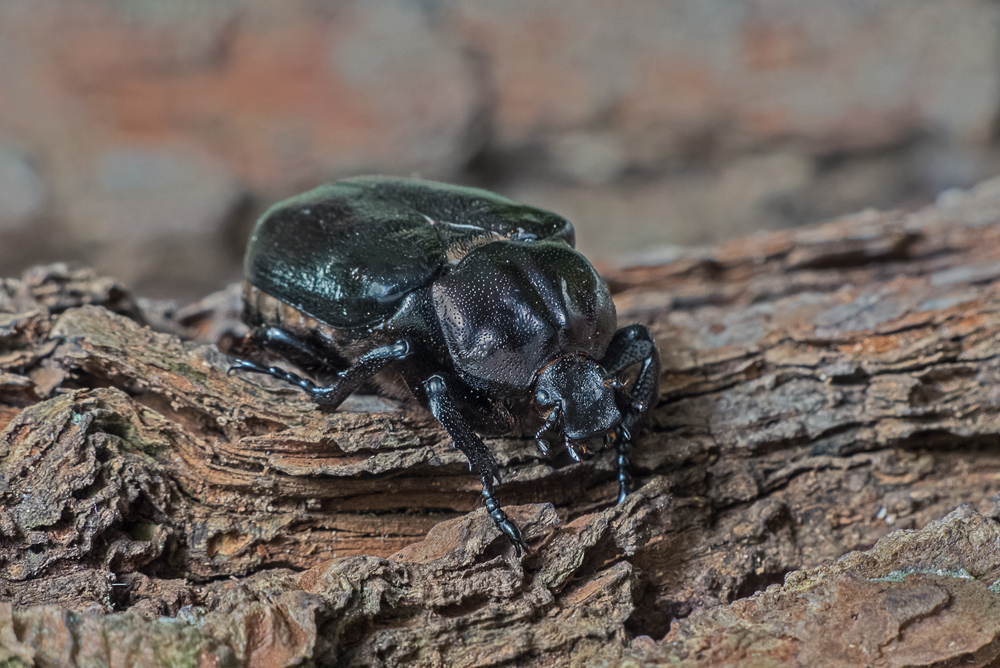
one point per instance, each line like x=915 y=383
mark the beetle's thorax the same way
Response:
x=509 y=308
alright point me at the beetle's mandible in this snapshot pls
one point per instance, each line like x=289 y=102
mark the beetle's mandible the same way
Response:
x=477 y=307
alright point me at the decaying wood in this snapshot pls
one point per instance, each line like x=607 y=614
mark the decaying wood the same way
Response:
x=822 y=388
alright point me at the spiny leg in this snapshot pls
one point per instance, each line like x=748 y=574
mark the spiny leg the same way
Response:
x=629 y=346
x=347 y=382
x=633 y=345
x=481 y=460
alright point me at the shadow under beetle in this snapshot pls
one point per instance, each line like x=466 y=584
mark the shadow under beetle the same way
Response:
x=476 y=306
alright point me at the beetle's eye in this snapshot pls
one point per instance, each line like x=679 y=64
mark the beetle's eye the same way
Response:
x=542 y=397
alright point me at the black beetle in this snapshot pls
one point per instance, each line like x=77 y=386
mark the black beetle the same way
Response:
x=476 y=306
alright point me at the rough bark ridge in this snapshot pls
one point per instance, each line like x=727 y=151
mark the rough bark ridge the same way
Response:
x=821 y=388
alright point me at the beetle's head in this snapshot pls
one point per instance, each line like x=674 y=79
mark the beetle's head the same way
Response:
x=582 y=400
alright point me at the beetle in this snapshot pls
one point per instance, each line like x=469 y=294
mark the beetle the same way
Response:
x=474 y=305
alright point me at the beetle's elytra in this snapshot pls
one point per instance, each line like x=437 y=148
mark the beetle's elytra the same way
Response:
x=477 y=307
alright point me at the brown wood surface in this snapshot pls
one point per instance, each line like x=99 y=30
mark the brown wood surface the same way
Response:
x=821 y=388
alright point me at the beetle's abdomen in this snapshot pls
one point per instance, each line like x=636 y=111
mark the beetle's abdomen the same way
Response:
x=509 y=308
x=343 y=260
x=262 y=310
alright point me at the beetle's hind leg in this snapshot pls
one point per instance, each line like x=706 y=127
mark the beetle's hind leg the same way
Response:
x=480 y=458
x=632 y=345
x=346 y=382
x=300 y=351
x=295 y=349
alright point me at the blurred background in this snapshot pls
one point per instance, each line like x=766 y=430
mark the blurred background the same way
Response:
x=144 y=136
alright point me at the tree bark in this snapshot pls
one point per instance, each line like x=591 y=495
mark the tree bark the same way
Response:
x=822 y=388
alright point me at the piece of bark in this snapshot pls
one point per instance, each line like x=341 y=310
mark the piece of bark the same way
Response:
x=821 y=387
x=927 y=597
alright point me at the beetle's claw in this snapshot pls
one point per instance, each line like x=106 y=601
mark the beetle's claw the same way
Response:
x=624 y=476
x=543 y=445
x=509 y=529
x=244 y=365
x=622 y=493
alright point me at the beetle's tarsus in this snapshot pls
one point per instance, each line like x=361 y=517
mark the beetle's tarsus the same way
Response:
x=276 y=372
x=624 y=476
x=500 y=519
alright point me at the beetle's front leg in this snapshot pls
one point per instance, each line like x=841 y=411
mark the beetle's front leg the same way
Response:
x=480 y=458
x=632 y=345
x=629 y=346
x=347 y=382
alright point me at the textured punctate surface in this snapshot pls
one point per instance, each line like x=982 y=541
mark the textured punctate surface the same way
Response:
x=528 y=300
x=348 y=252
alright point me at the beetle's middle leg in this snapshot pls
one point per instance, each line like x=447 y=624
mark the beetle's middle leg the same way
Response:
x=346 y=382
x=480 y=458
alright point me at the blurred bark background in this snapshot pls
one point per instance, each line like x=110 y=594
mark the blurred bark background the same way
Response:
x=822 y=388
x=141 y=137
